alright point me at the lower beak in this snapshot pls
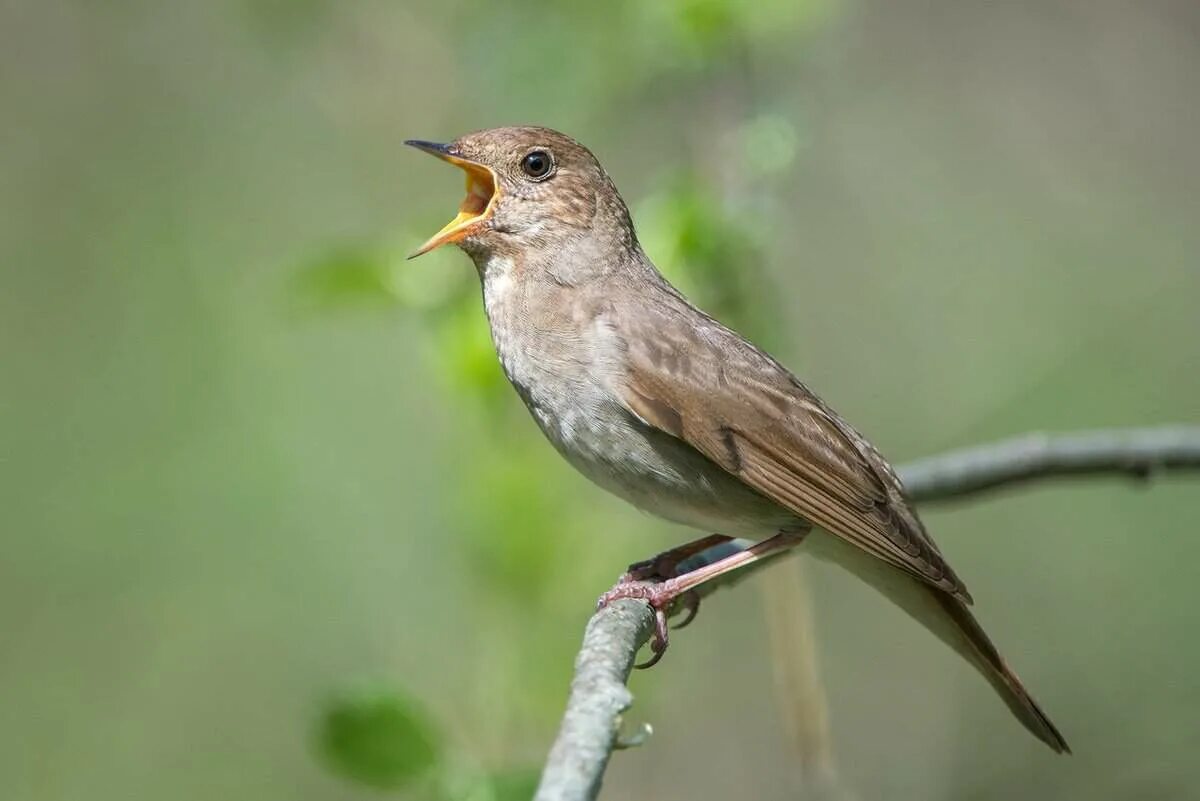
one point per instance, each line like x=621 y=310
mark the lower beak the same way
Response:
x=477 y=207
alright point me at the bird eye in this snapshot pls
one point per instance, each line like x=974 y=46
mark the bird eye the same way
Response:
x=537 y=164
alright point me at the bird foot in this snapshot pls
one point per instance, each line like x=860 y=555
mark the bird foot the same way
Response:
x=664 y=596
x=656 y=580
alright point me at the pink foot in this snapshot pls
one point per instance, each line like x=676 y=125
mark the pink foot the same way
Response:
x=662 y=596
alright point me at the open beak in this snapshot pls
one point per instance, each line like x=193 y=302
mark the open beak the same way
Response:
x=477 y=207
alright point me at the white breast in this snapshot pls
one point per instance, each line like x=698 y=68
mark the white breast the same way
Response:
x=563 y=368
x=497 y=284
x=546 y=357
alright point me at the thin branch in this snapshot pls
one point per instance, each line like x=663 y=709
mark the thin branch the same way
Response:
x=1134 y=452
x=598 y=697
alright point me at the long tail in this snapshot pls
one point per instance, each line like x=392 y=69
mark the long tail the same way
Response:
x=988 y=661
x=952 y=622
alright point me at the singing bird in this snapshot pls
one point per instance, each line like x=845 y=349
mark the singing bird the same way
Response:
x=662 y=405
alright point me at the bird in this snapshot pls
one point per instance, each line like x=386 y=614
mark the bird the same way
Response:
x=665 y=407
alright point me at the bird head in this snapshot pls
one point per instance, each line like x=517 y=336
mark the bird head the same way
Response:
x=527 y=187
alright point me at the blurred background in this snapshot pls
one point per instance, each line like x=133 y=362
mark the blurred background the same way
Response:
x=274 y=527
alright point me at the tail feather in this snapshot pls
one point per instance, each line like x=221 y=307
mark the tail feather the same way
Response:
x=952 y=622
x=993 y=667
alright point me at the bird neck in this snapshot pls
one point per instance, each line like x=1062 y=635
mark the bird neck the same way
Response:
x=582 y=257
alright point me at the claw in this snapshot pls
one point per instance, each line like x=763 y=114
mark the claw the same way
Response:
x=691 y=603
x=658 y=642
x=660 y=597
x=654 y=580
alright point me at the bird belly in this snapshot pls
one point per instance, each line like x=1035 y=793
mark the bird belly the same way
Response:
x=656 y=472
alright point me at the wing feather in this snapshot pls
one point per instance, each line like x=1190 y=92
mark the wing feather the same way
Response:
x=748 y=414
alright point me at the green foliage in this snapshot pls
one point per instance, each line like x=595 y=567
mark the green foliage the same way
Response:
x=379 y=274
x=703 y=34
x=345 y=277
x=507 y=785
x=514 y=516
x=378 y=737
x=518 y=785
x=463 y=348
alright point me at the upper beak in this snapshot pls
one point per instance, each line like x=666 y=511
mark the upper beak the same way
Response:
x=477 y=207
x=434 y=148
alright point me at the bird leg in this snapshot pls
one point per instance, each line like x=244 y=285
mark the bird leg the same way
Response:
x=665 y=564
x=664 y=593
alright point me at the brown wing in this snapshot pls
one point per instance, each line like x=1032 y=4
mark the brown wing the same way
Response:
x=691 y=377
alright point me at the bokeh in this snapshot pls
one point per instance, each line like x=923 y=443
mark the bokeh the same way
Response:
x=274 y=526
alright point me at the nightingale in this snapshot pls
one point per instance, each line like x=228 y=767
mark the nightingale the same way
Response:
x=665 y=407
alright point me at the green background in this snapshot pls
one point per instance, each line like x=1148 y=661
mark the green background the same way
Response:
x=275 y=528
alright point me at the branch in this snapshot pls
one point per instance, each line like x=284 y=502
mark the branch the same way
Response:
x=1133 y=452
x=589 y=730
x=598 y=696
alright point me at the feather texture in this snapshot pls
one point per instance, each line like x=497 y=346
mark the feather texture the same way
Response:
x=706 y=385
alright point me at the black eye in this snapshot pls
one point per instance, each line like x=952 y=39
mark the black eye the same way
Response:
x=537 y=164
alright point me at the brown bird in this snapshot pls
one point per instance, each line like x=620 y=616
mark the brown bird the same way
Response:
x=662 y=405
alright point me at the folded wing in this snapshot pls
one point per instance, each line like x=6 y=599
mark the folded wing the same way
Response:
x=748 y=414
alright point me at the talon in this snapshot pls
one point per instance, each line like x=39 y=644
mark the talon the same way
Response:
x=649 y=663
x=662 y=595
x=691 y=603
x=660 y=640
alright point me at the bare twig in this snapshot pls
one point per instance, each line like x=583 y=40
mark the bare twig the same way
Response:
x=598 y=697
x=1133 y=452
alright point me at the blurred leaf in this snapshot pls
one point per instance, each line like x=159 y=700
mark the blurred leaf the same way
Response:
x=704 y=33
x=374 y=274
x=465 y=355
x=515 y=510
x=469 y=784
x=769 y=144
x=705 y=24
x=377 y=737
x=435 y=281
x=349 y=276
x=517 y=785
